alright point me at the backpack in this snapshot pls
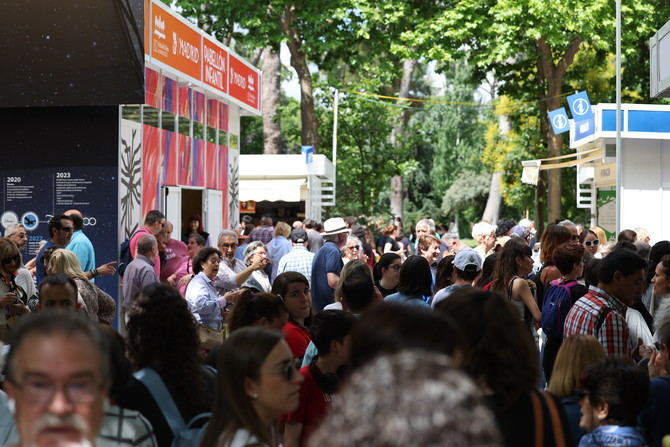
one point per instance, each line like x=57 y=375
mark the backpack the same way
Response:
x=555 y=307
x=125 y=257
x=185 y=434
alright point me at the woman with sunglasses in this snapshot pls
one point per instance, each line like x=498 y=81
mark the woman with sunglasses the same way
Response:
x=13 y=297
x=293 y=288
x=257 y=382
x=590 y=241
x=352 y=249
x=387 y=273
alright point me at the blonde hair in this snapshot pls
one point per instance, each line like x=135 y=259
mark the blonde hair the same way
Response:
x=65 y=262
x=576 y=354
x=282 y=229
x=600 y=233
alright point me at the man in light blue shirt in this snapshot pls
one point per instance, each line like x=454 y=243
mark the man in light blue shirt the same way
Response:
x=80 y=244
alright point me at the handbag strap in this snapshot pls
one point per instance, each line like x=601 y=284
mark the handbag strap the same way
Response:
x=161 y=395
x=537 y=417
x=557 y=426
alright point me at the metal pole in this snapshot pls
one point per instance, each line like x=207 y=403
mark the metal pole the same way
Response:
x=335 y=101
x=619 y=160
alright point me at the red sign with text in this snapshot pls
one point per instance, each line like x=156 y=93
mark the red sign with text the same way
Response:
x=175 y=43
x=214 y=65
x=243 y=82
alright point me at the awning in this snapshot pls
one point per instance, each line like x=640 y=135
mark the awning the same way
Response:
x=532 y=168
x=272 y=190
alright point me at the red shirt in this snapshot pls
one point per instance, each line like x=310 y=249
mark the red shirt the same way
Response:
x=297 y=338
x=313 y=406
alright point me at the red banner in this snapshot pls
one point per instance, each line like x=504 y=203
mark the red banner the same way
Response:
x=214 y=65
x=174 y=42
x=185 y=159
x=243 y=82
x=223 y=117
x=169 y=172
x=152 y=90
x=211 y=167
x=184 y=101
x=169 y=95
x=198 y=165
x=151 y=164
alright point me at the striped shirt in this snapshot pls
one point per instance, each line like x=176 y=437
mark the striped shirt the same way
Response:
x=602 y=315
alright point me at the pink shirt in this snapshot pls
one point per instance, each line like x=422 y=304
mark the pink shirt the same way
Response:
x=175 y=251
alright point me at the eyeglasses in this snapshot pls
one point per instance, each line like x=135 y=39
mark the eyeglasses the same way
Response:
x=214 y=260
x=9 y=260
x=593 y=242
x=67 y=229
x=77 y=392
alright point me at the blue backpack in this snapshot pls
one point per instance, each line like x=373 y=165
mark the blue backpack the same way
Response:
x=185 y=435
x=555 y=308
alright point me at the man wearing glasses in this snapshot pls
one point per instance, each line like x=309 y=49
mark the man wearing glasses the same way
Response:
x=232 y=272
x=60 y=232
x=58 y=379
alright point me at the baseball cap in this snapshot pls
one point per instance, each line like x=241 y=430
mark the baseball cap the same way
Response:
x=468 y=260
x=299 y=236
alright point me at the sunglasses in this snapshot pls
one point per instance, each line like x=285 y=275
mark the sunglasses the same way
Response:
x=9 y=260
x=593 y=242
x=67 y=229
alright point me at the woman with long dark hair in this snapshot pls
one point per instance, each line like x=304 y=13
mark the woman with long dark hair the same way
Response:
x=416 y=282
x=514 y=264
x=194 y=226
x=500 y=356
x=293 y=289
x=163 y=335
x=387 y=273
x=257 y=382
x=262 y=309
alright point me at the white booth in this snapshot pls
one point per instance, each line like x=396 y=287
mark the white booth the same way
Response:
x=285 y=186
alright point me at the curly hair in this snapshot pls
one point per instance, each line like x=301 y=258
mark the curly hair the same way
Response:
x=163 y=335
x=495 y=340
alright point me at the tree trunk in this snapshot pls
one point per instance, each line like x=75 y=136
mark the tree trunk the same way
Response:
x=397 y=192
x=271 y=67
x=309 y=135
x=553 y=75
x=492 y=210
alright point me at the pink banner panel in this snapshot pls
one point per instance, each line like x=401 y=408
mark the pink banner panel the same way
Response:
x=212 y=113
x=151 y=165
x=152 y=89
x=222 y=179
x=223 y=117
x=185 y=159
x=198 y=107
x=211 y=166
x=184 y=108
x=169 y=172
x=198 y=164
x=169 y=95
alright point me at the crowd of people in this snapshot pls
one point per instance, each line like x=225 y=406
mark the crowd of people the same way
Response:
x=307 y=334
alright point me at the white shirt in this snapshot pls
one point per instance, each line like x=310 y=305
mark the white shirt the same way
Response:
x=203 y=301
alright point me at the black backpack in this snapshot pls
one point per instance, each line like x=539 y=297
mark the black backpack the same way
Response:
x=124 y=252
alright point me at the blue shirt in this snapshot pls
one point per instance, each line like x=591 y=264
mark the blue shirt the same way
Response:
x=82 y=247
x=613 y=436
x=410 y=300
x=327 y=260
x=655 y=415
x=204 y=301
x=277 y=248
